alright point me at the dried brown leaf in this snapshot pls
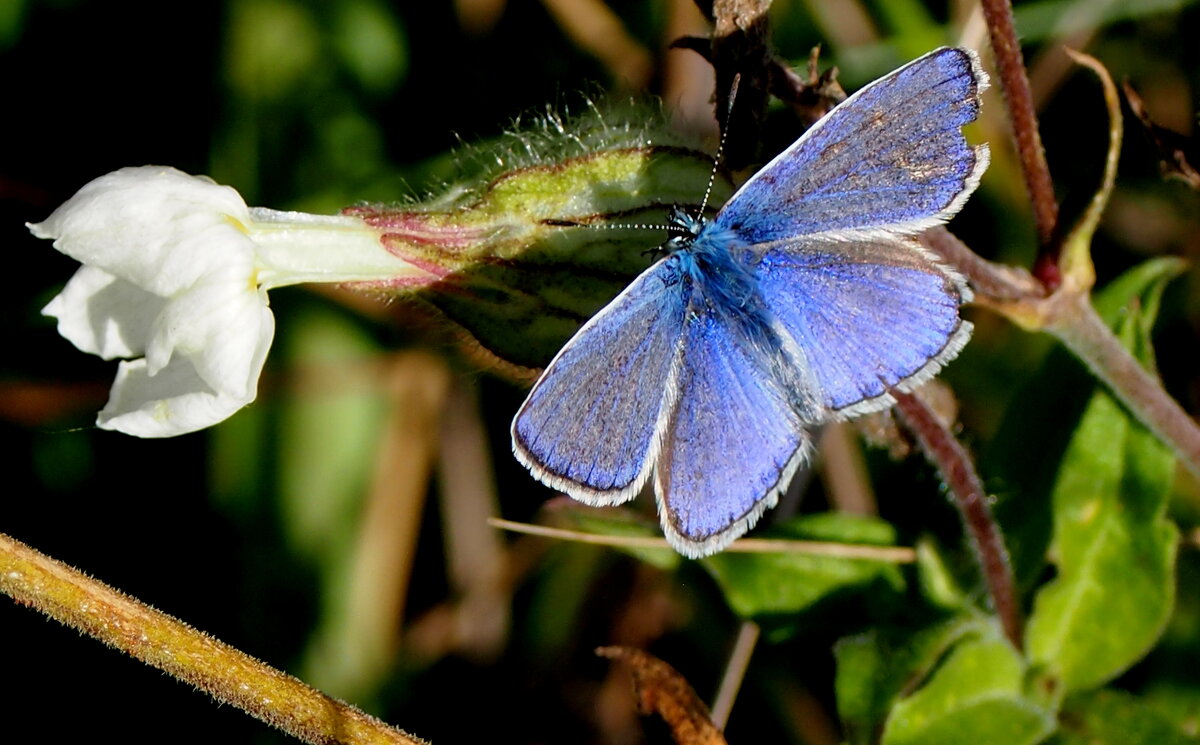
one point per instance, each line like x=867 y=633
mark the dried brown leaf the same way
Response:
x=661 y=690
x=1172 y=147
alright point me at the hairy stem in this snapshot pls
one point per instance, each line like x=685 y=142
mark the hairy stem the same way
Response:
x=967 y=494
x=1081 y=329
x=993 y=283
x=230 y=676
x=1015 y=82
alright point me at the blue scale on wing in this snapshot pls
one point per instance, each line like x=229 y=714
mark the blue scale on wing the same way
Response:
x=891 y=154
x=592 y=417
x=866 y=315
x=733 y=439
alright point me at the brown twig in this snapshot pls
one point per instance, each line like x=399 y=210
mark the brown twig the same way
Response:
x=968 y=496
x=1015 y=83
x=893 y=554
x=230 y=676
x=993 y=283
x=735 y=672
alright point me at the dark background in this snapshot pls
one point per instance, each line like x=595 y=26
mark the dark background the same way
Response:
x=312 y=105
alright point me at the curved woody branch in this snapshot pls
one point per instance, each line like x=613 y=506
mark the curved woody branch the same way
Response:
x=159 y=640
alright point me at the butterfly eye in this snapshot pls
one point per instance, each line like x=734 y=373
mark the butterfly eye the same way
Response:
x=681 y=219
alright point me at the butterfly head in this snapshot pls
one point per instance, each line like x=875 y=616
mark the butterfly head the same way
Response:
x=684 y=227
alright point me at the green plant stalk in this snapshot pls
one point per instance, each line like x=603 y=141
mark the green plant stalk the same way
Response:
x=230 y=676
x=1068 y=313
x=1079 y=327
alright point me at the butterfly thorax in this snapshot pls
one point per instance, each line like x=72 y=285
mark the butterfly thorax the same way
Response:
x=719 y=269
x=710 y=256
x=722 y=273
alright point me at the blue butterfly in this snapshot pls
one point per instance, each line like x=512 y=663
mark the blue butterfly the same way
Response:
x=807 y=298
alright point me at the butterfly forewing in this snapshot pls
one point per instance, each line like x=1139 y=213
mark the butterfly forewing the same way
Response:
x=891 y=158
x=590 y=425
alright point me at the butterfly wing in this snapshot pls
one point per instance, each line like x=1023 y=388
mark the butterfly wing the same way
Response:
x=868 y=316
x=591 y=425
x=889 y=159
x=828 y=220
x=733 y=438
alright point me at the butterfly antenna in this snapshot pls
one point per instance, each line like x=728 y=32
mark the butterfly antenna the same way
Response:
x=555 y=223
x=712 y=177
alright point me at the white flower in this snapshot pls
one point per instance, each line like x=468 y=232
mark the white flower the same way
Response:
x=174 y=280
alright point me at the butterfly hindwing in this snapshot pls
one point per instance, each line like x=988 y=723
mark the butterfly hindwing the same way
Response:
x=890 y=158
x=590 y=425
x=733 y=437
x=868 y=316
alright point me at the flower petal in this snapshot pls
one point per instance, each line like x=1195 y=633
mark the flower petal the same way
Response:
x=173 y=402
x=156 y=227
x=103 y=315
x=223 y=326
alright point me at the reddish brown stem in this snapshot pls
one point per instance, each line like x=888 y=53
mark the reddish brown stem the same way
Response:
x=1015 y=82
x=968 y=496
x=993 y=283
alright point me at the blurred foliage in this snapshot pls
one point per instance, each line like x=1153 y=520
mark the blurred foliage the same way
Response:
x=335 y=528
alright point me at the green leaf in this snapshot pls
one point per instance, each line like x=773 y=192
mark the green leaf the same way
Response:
x=974 y=695
x=1116 y=718
x=937 y=582
x=1114 y=548
x=1021 y=482
x=758 y=585
x=1062 y=385
x=875 y=668
x=1142 y=285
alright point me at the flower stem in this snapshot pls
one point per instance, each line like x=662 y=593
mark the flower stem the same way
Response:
x=1069 y=316
x=1080 y=329
x=1015 y=83
x=968 y=495
x=230 y=676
